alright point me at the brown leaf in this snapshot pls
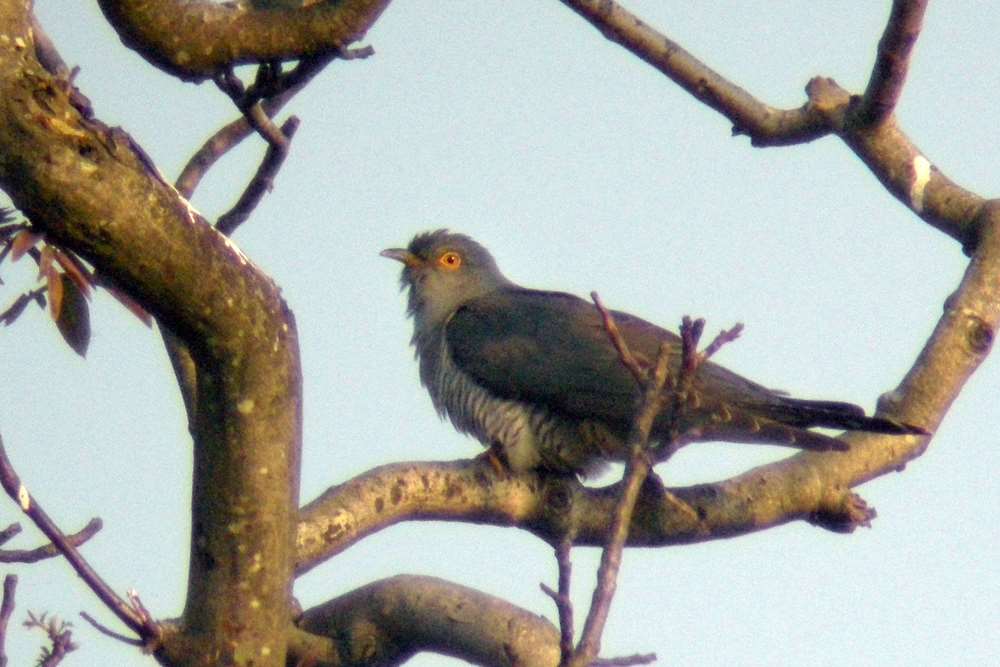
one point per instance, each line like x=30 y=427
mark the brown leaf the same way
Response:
x=45 y=263
x=55 y=284
x=22 y=242
x=74 y=316
x=75 y=270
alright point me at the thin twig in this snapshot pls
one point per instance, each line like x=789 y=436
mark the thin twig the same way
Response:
x=6 y=609
x=58 y=632
x=261 y=183
x=618 y=341
x=232 y=134
x=105 y=630
x=50 y=550
x=9 y=532
x=144 y=627
x=889 y=73
x=564 y=605
x=636 y=471
x=250 y=107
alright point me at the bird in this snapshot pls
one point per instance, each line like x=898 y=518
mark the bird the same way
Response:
x=533 y=375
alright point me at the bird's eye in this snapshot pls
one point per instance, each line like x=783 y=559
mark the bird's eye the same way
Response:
x=450 y=260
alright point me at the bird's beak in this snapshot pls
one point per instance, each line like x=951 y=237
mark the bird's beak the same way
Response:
x=402 y=255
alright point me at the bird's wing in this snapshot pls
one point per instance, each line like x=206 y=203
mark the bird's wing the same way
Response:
x=550 y=348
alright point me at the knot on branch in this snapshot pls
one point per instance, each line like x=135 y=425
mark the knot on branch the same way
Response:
x=843 y=514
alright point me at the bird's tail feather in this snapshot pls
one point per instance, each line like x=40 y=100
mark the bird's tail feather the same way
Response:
x=833 y=414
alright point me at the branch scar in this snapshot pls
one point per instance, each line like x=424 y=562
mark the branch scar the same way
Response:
x=921 y=176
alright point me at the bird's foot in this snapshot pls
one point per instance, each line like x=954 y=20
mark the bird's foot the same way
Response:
x=494 y=456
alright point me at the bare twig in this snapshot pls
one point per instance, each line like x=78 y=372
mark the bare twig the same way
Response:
x=261 y=183
x=889 y=73
x=59 y=634
x=9 y=532
x=564 y=606
x=143 y=626
x=105 y=630
x=251 y=108
x=636 y=470
x=232 y=134
x=618 y=341
x=50 y=550
x=6 y=609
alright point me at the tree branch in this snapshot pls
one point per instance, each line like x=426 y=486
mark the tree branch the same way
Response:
x=261 y=183
x=128 y=615
x=882 y=146
x=472 y=491
x=49 y=550
x=6 y=609
x=231 y=316
x=651 y=383
x=889 y=74
x=390 y=620
x=766 y=125
x=217 y=36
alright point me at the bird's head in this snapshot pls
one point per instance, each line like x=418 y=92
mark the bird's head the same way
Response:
x=442 y=271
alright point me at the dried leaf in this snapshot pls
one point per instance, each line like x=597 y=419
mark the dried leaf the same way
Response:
x=45 y=263
x=75 y=270
x=22 y=242
x=55 y=284
x=74 y=316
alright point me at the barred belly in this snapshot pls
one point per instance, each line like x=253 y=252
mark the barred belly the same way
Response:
x=529 y=436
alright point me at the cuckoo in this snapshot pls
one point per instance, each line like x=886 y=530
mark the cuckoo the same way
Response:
x=533 y=375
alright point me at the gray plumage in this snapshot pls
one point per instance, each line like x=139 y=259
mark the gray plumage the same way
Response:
x=534 y=373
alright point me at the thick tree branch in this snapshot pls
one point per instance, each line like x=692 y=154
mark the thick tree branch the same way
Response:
x=866 y=125
x=389 y=620
x=195 y=40
x=472 y=491
x=91 y=190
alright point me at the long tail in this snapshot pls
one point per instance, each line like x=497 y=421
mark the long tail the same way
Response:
x=833 y=414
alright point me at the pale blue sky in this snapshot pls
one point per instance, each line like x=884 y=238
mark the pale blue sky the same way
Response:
x=582 y=169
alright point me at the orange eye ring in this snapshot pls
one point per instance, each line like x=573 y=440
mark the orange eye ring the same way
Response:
x=450 y=260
